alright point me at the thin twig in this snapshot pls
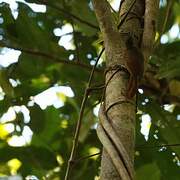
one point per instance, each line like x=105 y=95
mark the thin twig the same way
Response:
x=49 y=56
x=69 y=14
x=137 y=147
x=157 y=146
x=96 y=88
x=65 y=34
x=169 y=5
x=86 y=157
x=78 y=126
x=76 y=43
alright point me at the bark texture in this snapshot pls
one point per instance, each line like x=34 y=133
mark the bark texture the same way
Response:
x=116 y=128
x=121 y=113
x=149 y=32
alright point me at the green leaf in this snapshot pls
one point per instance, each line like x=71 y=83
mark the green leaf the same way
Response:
x=169 y=60
x=148 y=172
x=79 y=8
x=51 y=125
x=6 y=15
x=87 y=123
x=5 y=84
x=37 y=122
x=29 y=33
x=162 y=15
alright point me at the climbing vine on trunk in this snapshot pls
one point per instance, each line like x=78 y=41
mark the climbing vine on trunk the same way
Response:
x=124 y=69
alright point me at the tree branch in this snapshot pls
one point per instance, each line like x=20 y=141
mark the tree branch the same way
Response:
x=68 y=14
x=126 y=14
x=114 y=163
x=104 y=16
x=157 y=146
x=86 y=157
x=151 y=10
x=150 y=90
x=78 y=125
x=76 y=43
x=50 y=57
x=169 y=6
x=137 y=147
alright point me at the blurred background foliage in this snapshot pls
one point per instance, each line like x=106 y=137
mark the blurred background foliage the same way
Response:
x=47 y=49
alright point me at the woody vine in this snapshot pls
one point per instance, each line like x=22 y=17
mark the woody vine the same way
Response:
x=123 y=57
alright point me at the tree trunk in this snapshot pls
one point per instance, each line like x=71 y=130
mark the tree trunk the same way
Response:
x=119 y=111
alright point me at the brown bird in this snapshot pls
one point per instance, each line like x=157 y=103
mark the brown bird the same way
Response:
x=135 y=67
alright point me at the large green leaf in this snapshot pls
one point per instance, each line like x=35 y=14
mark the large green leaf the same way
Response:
x=79 y=8
x=53 y=129
x=169 y=60
x=148 y=172
x=51 y=125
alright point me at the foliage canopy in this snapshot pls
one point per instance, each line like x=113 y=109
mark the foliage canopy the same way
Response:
x=45 y=62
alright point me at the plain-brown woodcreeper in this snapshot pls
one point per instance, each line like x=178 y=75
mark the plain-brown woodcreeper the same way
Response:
x=135 y=67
